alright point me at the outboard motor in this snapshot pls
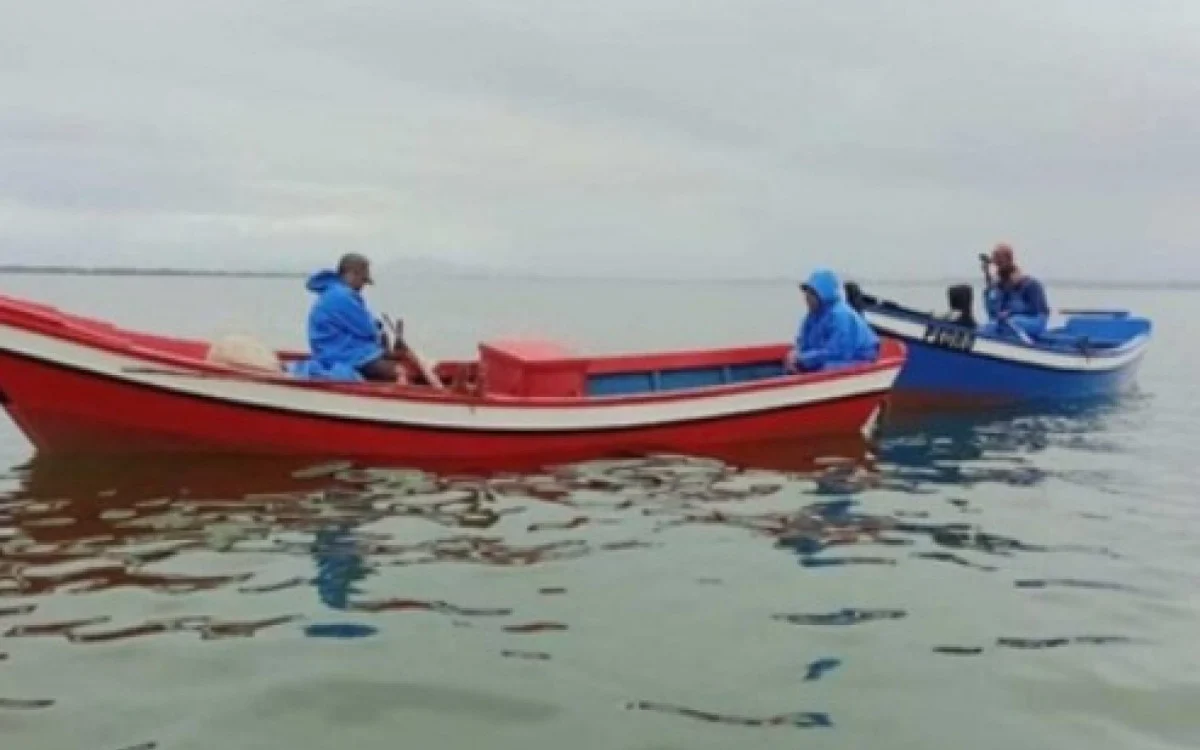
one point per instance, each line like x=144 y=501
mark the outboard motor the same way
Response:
x=961 y=298
x=854 y=295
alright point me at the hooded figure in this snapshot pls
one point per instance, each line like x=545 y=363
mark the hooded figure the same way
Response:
x=342 y=333
x=833 y=334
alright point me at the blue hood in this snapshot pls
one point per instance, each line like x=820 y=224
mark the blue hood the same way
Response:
x=342 y=332
x=826 y=285
x=834 y=335
x=322 y=280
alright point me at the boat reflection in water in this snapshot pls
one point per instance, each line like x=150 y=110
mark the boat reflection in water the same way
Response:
x=116 y=521
x=96 y=524
x=249 y=545
x=957 y=451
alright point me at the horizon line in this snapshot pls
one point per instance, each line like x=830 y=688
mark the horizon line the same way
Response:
x=493 y=273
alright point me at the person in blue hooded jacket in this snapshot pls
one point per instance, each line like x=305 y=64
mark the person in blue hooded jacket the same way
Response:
x=345 y=341
x=833 y=334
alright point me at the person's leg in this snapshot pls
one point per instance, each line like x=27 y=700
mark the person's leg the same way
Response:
x=1032 y=325
x=991 y=328
x=382 y=370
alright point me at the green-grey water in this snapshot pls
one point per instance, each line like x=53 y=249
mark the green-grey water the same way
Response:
x=989 y=581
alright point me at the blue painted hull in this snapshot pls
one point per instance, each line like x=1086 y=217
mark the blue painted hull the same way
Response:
x=1094 y=356
x=936 y=373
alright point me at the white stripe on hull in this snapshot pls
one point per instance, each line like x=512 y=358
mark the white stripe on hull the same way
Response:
x=1017 y=354
x=474 y=416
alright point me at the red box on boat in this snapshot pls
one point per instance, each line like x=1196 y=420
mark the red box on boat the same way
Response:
x=532 y=368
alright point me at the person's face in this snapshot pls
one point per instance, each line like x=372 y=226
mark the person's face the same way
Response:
x=358 y=276
x=810 y=298
x=1005 y=265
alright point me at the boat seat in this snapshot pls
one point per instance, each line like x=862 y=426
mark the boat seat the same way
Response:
x=1076 y=342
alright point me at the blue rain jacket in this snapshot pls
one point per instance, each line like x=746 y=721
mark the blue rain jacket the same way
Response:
x=1024 y=305
x=342 y=333
x=835 y=335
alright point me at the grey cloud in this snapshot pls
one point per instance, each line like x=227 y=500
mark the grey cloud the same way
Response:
x=749 y=137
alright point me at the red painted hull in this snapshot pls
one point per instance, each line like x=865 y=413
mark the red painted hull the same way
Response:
x=62 y=411
x=78 y=386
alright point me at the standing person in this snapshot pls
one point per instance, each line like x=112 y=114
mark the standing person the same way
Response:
x=833 y=334
x=1015 y=302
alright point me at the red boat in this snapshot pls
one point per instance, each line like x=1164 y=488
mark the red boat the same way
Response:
x=75 y=385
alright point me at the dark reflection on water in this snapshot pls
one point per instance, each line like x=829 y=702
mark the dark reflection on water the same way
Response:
x=846 y=616
x=208 y=628
x=935 y=452
x=1033 y=644
x=803 y=720
x=82 y=527
x=24 y=705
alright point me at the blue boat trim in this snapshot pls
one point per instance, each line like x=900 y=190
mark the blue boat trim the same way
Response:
x=654 y=381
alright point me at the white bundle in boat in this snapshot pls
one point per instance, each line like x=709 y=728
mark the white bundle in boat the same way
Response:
x=244 y=352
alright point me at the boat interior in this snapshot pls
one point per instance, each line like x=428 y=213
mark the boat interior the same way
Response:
x=527 y=368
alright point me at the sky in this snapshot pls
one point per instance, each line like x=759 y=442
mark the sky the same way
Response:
x=675 y=138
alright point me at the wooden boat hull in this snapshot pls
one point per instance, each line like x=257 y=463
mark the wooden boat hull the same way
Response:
x=71 y=390
x=954 y=367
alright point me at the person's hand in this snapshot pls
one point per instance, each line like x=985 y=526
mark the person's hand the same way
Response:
x=398 y=344
x=985 y=264
x=791 y=362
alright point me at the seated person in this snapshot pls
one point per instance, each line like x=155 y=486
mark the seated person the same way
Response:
x=344 y=338
x=833 y=334
x=1016 y=303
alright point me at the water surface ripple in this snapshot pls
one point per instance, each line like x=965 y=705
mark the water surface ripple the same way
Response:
x=950 y=571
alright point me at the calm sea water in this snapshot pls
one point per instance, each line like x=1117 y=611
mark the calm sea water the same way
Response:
x=1000 y=581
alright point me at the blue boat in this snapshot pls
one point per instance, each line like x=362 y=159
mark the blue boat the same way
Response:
x=1093 y=354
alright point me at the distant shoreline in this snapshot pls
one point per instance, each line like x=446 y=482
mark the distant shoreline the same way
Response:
x=487 y=274
x=125 y=271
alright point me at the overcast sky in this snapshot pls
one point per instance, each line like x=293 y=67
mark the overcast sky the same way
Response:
x=679 y=137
